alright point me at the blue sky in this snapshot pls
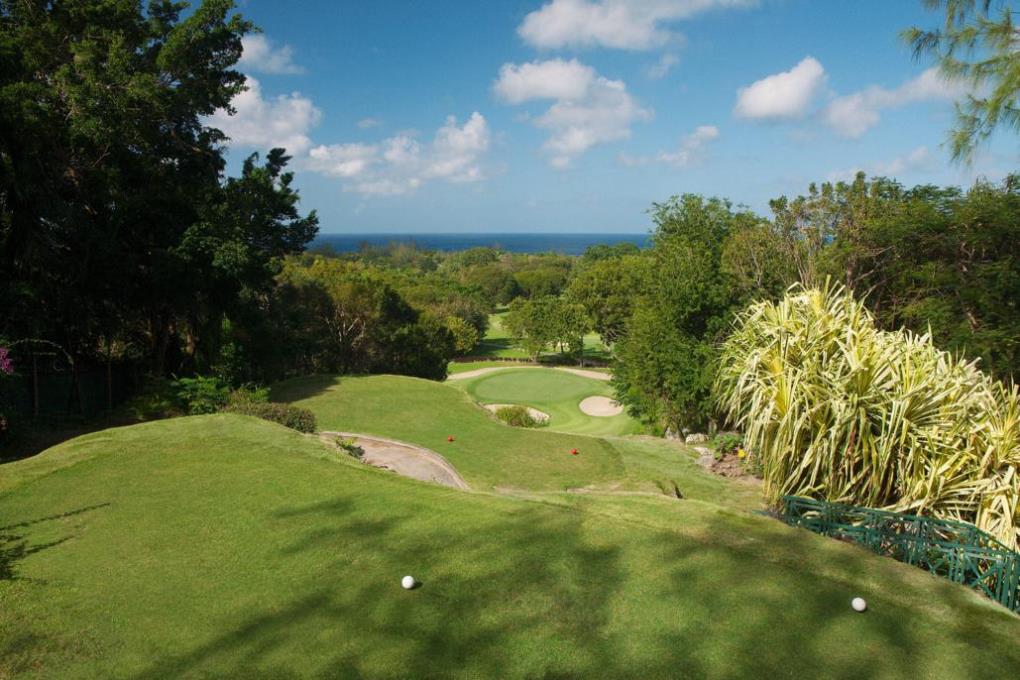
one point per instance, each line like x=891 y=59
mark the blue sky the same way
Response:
x=577 y=115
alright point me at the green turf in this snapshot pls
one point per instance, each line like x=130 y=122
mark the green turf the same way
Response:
x=226 y=547
x=456 y=367
x=554 y=392
x=498 y=343
x=487 y=452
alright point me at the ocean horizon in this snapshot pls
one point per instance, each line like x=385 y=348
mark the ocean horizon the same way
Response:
x=564 y=243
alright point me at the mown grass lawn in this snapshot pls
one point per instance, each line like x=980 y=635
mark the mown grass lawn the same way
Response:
x=223 y=546
x=498 y=343
x=556 y=393
x=486 y=452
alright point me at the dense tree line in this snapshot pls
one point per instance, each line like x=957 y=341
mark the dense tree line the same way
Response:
x=929 y=259
x=118 y=230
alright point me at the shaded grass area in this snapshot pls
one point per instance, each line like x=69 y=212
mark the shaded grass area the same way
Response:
x=557 y=393
x=488 y=453
x=223 y=546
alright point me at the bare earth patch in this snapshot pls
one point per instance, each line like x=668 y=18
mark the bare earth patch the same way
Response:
x=602 y=407
x=405 y=459
x=539 y=416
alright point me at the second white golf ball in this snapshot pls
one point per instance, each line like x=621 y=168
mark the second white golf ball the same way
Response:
x=407 y=582
x=858 y=604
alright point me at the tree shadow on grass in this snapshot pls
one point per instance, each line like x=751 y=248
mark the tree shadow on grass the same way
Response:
x=306 y=387
x=15 y=546
x=460 y=620
x=539 y=593
x=781 y=608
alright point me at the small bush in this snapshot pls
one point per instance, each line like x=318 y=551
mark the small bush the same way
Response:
x=294 y=417
x=157 y=399
x=246 y=395
x=350 y=447
x=200 y=395
x=517 y=416
x=726 y=442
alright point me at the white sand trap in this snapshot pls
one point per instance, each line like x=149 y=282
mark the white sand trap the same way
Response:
x=602 y=407
x=405 y=459
x=539 y=416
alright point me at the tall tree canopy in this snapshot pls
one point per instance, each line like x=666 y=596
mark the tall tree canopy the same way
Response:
x=979 y=44
x=115 y=221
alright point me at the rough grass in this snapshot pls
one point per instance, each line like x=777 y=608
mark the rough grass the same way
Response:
x=224 y=546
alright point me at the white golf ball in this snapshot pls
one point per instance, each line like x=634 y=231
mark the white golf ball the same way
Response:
x=858 y=604
x=407 y=582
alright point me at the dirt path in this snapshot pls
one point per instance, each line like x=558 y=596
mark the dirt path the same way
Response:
x=405 y=459
x=596 y=375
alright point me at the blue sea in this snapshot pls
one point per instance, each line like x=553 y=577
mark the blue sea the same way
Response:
x=567 y=244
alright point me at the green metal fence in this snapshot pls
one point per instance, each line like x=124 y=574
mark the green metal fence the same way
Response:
x=957 y=551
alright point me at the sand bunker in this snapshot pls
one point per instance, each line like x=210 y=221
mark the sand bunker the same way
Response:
x=405 y=459
x=539 y=416
x=602 y=407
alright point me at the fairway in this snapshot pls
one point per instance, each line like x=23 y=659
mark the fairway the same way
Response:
x=497 y=343
x=223 y=546
x=555 y=392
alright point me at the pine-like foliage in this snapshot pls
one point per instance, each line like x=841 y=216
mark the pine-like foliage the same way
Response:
x=839 y=410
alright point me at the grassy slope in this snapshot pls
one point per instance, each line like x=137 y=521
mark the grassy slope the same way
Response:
x=222 y=546
x=557 y=393
x=487 y=452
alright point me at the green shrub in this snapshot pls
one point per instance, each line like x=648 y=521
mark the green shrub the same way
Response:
x=835 y=408
x=294 y=417
x=350 y=446
x=727 y=442
x=517 y=416
x=201 y=394
x=248 y=394
x=157 y=399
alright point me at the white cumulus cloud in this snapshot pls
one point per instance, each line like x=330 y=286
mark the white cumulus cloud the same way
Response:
x=691 y=149
x=263 y=123
x=400 y=164
x=854 y=114
x=369 y=122
x=552 y=79
x=621 y=24
x=587 y=109
x=783 y=95
x=260 y=55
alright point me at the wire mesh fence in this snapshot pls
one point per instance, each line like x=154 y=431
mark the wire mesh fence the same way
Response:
x=957 y=551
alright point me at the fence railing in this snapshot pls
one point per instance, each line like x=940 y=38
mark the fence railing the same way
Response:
x=957 y=551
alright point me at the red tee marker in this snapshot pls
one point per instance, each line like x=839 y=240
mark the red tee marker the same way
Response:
x=573 y=452
x=450 y=438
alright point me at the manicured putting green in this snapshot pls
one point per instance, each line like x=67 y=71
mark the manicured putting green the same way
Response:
x=553 y=391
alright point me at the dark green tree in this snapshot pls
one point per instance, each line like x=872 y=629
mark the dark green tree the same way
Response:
x=664 y=363
x=105 y=162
